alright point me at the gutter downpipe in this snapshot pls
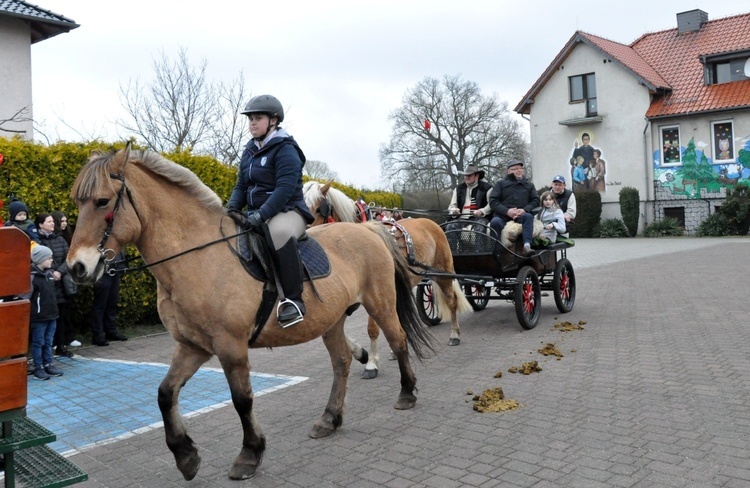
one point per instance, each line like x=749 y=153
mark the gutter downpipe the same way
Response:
x=649 y=189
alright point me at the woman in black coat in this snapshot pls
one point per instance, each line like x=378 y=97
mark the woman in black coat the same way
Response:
x=65 y=332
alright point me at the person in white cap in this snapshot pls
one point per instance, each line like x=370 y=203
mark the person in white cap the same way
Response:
x=566 y=199
x=469 y=201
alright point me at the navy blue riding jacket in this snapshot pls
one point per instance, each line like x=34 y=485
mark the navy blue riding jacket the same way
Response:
x=270 y=178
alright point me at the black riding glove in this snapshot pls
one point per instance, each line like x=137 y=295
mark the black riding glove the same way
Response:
x=254 y=221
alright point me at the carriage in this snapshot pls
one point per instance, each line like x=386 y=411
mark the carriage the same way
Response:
x=483 y=264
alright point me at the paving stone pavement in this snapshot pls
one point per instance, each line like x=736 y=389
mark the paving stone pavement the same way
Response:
x=654 y=392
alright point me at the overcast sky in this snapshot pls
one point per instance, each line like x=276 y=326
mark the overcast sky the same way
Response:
x=340 y=67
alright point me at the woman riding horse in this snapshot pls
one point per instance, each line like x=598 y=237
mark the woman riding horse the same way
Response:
x=206 y=299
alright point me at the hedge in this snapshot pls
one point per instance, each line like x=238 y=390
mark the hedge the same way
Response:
x=41 y=176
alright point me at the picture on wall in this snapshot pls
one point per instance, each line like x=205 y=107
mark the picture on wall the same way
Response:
x=588 y=169
x=723 y=141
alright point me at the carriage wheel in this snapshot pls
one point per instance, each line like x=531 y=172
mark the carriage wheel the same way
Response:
x=527 y=297
x=427 y=300
x=478 y=296
x=564 y=286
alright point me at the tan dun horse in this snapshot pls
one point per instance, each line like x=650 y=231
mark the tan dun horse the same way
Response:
x=164 y=209
x=430 y=247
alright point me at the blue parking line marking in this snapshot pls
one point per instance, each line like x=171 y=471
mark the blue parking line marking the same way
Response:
x=99 y=401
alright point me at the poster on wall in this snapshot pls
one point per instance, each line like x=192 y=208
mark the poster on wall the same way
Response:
x=588 y=168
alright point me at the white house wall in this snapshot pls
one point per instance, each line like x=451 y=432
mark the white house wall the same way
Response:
x=622 y=103
x=15 y=75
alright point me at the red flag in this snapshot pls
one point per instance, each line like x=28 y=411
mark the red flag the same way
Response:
x=426 y=124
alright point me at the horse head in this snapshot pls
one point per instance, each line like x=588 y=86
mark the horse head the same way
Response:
x=101 y=195
x=316 y=199
x=120 y=194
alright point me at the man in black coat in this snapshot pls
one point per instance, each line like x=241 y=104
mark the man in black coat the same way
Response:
x=514 y=198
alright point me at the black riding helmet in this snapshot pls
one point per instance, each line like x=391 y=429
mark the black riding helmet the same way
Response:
x=265 y=104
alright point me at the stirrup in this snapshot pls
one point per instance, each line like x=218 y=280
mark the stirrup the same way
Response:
x=294 y=320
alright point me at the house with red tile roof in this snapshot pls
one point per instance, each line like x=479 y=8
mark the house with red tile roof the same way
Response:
x=21 y=25
x=668 y=114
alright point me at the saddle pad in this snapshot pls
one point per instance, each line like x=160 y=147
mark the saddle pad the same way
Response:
x=314 y=259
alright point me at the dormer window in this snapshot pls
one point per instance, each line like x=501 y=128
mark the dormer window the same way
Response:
x=727 y=68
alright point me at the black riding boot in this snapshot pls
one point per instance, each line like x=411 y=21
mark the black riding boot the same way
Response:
x=291 y=310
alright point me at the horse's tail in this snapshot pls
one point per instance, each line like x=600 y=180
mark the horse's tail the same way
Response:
x=462 y=304
x=417 y=333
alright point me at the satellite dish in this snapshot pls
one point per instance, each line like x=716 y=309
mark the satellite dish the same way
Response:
x=746 y=70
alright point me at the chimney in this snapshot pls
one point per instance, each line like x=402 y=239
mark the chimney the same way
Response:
x=691 y=21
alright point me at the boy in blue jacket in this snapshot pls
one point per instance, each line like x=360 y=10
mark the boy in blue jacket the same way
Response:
x=44 y=313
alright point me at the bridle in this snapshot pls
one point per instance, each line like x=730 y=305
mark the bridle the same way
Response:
x=325 y=210
x=112 y=267
x=108 y=255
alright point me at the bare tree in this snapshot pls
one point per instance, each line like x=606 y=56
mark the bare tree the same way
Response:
x=442 y=127
x=230 y=127
x=21 y=116
x=176 y=110
x=318 y=170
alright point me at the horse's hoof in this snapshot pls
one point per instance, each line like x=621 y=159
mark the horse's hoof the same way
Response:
x=189 y=466
x=242 y=471
x=321 y=430
x=369 y=374
x=392 y=356
x=454 y=342
x=406 y=402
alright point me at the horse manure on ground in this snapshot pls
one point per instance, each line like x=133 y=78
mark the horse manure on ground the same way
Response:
x=550 y=350
x=493 y=400
x=569 y=326
x=526 y=368
x=499 y=374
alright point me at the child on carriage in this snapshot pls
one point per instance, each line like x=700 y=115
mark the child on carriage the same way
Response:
x=552 y=217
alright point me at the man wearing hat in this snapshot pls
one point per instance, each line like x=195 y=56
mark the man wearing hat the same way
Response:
x=565 y=199
x=515 y=198
x=469 y=201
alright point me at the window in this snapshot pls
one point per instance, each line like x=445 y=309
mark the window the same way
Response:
x=677 y=213
x=727 y=68
x=583 y=89
x=722 y=135
x=670 y=143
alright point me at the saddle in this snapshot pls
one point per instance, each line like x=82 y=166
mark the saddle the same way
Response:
x=255 y=257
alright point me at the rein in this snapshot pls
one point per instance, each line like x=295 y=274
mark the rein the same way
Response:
x=112 y=267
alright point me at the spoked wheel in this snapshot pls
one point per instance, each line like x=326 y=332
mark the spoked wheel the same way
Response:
x=478 y=296
x=527 y=297
x=564 y=286
x=427 y=303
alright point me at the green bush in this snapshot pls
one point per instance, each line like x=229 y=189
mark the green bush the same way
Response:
x=664 y=228
x=611 y=228
x=588 y=213
x=630 y=209
x=715 y=225
x=736 y=209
